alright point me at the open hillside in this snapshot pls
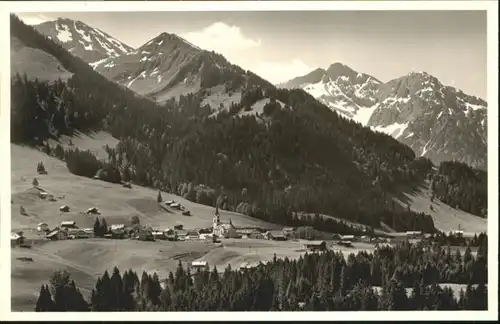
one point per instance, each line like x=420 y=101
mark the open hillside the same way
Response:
x=35 y=63
x=116 y=203
x=241 y=156
x=446 y=218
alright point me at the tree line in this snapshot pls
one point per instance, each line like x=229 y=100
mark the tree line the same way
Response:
x=462 y=187
x=316 y=281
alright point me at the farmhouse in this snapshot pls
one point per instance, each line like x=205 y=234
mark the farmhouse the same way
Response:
x=89 y=231
x=347 y=238
x=79 y=234
x=64 y=209
x=206 y=236
x=41 y=227
x=145 y=236
x=16 y=239
x=159 y=235
x=276 y=236
x=315 y=245
x=118 y=234
x=92 y=210
x=57 y=235
x=181 y=234
x=220 y=229
x=175 y=205
x=68 y=224
x=115 y=227
x=289 y=231
x=202 y=265
x=192 y=235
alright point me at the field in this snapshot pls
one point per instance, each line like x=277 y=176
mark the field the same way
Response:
x=86 y=259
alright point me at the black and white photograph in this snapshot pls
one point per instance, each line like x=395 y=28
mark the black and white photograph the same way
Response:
x=279 y=159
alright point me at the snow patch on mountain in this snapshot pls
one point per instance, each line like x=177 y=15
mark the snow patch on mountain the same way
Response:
x=63 y=33
x=395 y=129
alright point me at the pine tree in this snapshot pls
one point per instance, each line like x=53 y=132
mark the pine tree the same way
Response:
x=35 y=183
x=44 y=302
x=97 y=228
x=159 y=198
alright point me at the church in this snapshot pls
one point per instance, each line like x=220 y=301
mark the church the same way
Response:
x=226 y=230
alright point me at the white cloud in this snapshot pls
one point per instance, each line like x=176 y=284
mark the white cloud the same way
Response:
x=277 y=72
x=220 y=38
x=33 y=19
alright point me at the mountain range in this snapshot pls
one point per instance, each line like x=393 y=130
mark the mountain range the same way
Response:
x=437 y=121
x=259 y=149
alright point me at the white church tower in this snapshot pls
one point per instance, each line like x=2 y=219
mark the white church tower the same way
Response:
x=216 y=219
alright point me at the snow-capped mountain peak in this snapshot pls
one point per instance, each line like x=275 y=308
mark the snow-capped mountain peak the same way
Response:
x=435 y=120
x=90 y=44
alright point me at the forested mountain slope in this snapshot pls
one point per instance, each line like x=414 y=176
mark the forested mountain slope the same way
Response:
x=295 y=154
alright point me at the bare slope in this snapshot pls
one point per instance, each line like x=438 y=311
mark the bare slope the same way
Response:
x=35 y=63
x=116 y=203
x=445 y=217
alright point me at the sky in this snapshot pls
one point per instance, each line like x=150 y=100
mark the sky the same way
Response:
x=281 y=45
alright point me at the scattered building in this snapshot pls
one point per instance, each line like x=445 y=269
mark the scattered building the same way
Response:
x=159 y=235
x=115 y=227
x=169 y=202
x=275 y=235
x=202 y=265
x=347 y=237
x=206 y=236
x=192 y=235
x=220 y=229
x=118 y=234
x=145 y=236
x=93 y=210
x=89 y=231
x=79 y=234
x=170 y=234
x=175 y=205
x=289 y=231
x=186 y=213
x=16 y=239
x=64 y=209
x=68 y=224
x=57 y=235
x=315 y=245
x=42 y=194
x=42 y=227
x=181 y=235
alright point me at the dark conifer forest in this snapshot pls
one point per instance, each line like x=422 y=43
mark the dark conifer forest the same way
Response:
x=461 y=186
x=326 y=281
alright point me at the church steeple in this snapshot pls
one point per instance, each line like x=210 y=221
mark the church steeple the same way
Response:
x=216 y=217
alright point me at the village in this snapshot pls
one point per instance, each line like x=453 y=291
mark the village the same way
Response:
x=310 y=239
x=220 y=230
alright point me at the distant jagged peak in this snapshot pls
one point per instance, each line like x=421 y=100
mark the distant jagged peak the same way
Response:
x=340 y=70
x=165 y=39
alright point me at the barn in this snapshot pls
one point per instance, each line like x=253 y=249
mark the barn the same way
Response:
x=315 y=246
